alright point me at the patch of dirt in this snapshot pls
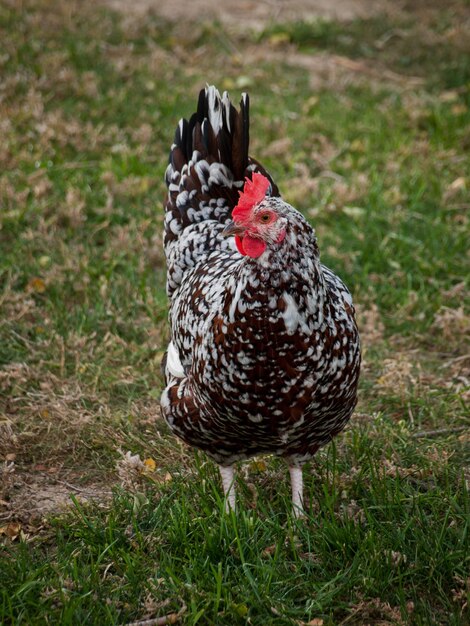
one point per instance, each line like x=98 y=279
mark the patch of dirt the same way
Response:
x=328 y=70
x=370 y=323
x=325 y=69
x=32 y=496
x=254 y=15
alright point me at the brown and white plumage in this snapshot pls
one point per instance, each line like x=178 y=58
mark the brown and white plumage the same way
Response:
x=264 y=354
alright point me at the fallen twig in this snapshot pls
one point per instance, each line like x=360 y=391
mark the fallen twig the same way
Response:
x=439 y=431
x=457 y=359
x=85 y=490
x=364 y=68
x=171 y=618
x=64 y=482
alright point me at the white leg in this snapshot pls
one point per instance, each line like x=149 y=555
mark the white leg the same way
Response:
x=228 y=479
x=296 y=480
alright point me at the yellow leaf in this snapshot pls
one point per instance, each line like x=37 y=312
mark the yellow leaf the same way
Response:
x=150 y=464
x=449 y=96
x=357 y=145
x=353 y=211
x=243 y=81
x=11 y=530
x=459 y=109
x=277 y=39
x=269 y=550
x=309 y=104
x=458 y=184
x=258 y=466
x=241 y=609
x=228 y=83
x=36 y=284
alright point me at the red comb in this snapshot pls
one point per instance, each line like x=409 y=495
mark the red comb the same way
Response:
x=253 y=192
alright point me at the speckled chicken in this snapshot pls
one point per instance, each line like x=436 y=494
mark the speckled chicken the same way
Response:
x=264 y=354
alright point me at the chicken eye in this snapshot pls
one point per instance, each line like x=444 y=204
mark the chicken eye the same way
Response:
x=265 y=218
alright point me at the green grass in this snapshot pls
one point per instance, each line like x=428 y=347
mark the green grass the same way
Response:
x=415 y=43
x=377 y=156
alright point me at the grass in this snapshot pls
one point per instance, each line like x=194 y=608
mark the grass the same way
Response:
x=365 y=126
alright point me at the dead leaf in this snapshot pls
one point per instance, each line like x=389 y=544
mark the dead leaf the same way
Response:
x=42 y=188
x=36 y=284
x=354 y=211
x=258 y=466
x=150 y=464
x=397 y=376
x=277 y=39
x=453 y=323
x=455 y=189
x=310 y=104
x=268 y=550
x=458 y=183
x=11 y=530
x=280 y=147
x=449 y=96
x=243 y=81
x=459 y=109
x=370 y=323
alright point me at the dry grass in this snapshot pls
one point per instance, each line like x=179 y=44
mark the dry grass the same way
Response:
x=364 y=124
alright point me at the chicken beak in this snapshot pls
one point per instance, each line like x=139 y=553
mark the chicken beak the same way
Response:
x=232 y=229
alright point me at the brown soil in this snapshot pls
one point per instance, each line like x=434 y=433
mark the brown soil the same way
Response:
x=34 y=495
x=325 y=69
x=253 y=14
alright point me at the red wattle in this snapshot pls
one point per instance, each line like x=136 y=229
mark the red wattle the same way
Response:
x=250 y=246
x=239 y=244
x=253 y=247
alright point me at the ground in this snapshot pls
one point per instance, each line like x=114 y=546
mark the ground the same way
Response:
x=254 y=15
x=361 y=112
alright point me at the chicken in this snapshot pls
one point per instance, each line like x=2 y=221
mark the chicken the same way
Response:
x=264 y=355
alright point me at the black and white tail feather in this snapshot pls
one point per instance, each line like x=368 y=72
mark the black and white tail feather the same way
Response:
x=208 y=164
